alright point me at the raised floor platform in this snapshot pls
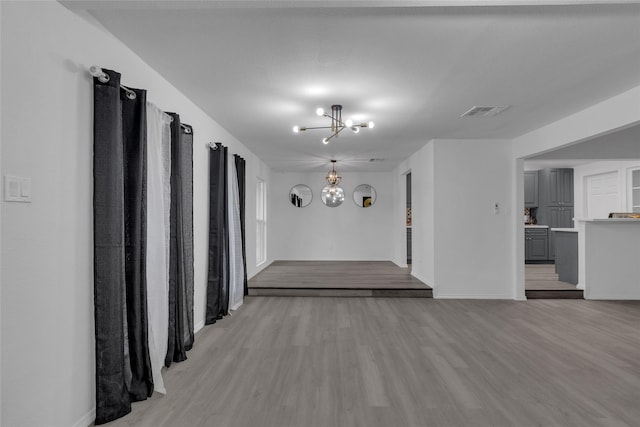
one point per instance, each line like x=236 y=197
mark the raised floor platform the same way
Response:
x=337 y=278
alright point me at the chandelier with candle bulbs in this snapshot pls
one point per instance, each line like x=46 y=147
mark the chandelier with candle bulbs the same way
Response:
x=337 y=125
x=332 y=177
x=332 y=194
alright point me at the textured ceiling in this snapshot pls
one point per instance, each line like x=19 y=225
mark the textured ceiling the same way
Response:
x=260 y=70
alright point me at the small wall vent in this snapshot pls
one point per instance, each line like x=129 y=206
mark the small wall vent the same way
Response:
x=376 y=160
x=485 y=110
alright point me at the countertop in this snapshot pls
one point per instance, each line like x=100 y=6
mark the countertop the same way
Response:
x=535 y=226
x=567 y=230
x=609 y=220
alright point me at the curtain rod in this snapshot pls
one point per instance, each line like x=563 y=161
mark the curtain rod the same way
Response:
x=103 y=77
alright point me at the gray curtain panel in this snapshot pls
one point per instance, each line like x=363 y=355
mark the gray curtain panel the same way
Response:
x=178 y=322
x=134 y=131
x=186 y=165
x=218 y=275
x=112 y=396
x=123 y=363
x=123 y=368
x=240 y=175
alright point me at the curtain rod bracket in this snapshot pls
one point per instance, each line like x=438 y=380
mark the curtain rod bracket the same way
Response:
x=103 y=77
x=97 y=72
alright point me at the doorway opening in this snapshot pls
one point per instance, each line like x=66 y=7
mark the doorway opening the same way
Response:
x=550 y=237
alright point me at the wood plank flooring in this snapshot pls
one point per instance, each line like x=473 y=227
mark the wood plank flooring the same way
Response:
x=337 y=278
x=381 y=362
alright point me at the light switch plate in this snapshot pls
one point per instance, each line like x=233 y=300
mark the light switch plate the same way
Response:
x=17 y=189
x=25 y=189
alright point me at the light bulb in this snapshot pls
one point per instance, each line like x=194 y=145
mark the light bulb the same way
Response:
x=349 y=123
x=325 y=141
x=355 y=129
x=320 y=111
x=371 y=125
x=296 y=129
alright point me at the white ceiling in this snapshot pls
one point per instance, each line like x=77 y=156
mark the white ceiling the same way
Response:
x=260 y=67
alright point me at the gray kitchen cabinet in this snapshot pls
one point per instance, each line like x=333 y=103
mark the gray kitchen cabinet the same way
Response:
x=560 y=187
x=536 y=244
x=567 y=256
x=555 y=190
x=559 y=217
x=530 y=189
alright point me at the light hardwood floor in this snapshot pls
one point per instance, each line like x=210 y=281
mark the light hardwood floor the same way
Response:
x=316 y=362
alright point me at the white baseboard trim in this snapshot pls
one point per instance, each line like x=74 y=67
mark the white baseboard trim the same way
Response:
x=87 y=419
x=614 y=297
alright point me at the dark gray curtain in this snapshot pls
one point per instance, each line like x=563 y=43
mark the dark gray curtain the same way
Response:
x=134 y=131
x=181 y=244
x=187 y=232
x=218 y=275
x=240 y=175
x=123 y=368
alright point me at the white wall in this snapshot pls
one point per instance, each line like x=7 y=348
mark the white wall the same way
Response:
x=317 y=232
x=472 y=240
x=461 y=246
x=421 y=166
x=583 y=172
x=47 y=275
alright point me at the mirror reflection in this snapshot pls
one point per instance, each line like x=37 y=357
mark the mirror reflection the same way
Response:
x=364 y=195
x=332 y=196
x=300 y=195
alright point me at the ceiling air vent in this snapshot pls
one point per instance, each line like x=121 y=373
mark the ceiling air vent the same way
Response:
x=375 y=160
x=485 y=111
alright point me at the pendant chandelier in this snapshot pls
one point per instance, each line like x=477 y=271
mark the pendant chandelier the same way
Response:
x=337 y=125
x=333 y=179
x=332 y=194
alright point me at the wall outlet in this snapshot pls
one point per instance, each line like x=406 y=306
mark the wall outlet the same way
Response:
x=17 y=189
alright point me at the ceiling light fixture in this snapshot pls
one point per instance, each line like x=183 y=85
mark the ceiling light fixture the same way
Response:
x=337 y=125
x=332 y=177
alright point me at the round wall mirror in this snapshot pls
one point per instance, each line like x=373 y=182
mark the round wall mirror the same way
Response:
x=364 y=195
x=332 y=196
x=300 y=195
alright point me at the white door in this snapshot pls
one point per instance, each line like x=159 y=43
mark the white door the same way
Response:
x=603 y=195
